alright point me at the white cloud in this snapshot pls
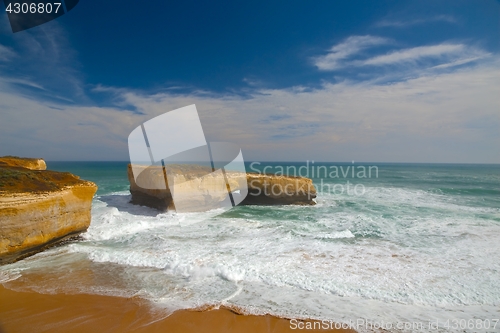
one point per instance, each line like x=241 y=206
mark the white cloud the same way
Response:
x=344 y=50
x=22 y=82
x=411 y=22
x=347 y=54
x=45 y=60
x=425 y=119
x=6 y=53
x=460 y=61
x=415 y=53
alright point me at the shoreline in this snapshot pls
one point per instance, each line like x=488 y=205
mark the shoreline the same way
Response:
x=34 y=312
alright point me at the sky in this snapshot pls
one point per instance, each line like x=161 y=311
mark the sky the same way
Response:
x=337 y=81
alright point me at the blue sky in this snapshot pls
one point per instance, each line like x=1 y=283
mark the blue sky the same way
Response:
x=385 y=81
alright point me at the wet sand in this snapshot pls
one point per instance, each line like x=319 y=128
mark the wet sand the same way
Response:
x=34 y=312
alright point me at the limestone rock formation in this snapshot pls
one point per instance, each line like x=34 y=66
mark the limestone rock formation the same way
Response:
x=39 y=208
x=266 y=189
x=28 y=163
x=262 y=189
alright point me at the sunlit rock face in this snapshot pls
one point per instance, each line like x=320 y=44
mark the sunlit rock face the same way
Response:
x=28 y=163
x=266 y=189
x=198 y=188
x=39 y=208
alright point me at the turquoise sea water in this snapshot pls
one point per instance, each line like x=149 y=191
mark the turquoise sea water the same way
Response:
x=408 y=242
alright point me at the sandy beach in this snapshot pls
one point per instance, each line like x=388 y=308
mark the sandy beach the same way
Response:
x=34 y=312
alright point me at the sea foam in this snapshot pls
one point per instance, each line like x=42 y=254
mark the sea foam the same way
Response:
x=392 y=254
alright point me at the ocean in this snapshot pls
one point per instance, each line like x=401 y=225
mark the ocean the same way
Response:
x=385 y=244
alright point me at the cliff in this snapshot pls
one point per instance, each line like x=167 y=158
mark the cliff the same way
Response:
x=279 y=190
x=262 y=189
x=28 y=163
x=39 y=208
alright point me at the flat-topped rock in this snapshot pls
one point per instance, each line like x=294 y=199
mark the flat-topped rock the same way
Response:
x=266 y=189
x=39 y=208
x=262 y=189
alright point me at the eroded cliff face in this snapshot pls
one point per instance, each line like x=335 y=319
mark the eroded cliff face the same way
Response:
x=28 y=163
x=152 y=192
x=39 y=208
x=190 y=179
x=279 y=190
